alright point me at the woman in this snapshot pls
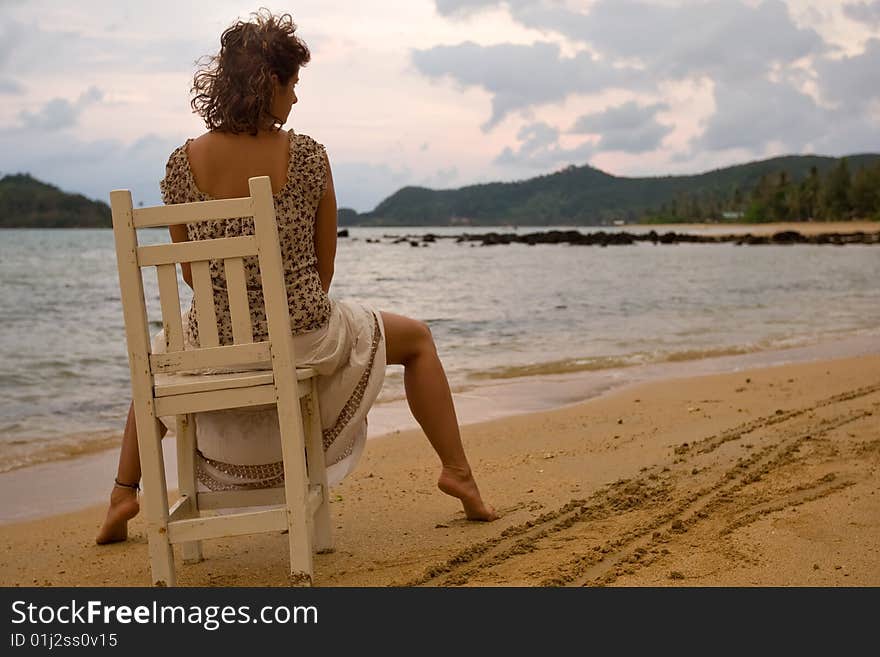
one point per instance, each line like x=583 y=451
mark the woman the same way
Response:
x=245 y=95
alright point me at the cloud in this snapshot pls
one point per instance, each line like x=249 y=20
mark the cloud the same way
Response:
x=11 y=87
x=93 y=168
x=546 y=15
x=441 y=178
x=55 y=115
x=852 y=82
x=29 y=48
x=59 y=113
x=540 y=149
x=521 y=76
x=631 y=128
x=864 y=12
x=9 y=38
x=463 y=8
x=362 y=185
x=638 y=44
x=753 y=114
x=759 y=61
x=725 y=39
x=861 y=135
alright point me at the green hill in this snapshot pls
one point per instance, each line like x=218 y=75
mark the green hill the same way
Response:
x=587 y=196
x=792 y=187
x=25 y=202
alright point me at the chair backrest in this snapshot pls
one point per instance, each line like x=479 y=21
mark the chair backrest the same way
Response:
x=263 y=244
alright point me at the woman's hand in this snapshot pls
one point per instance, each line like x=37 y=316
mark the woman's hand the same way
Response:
x=179 y=234
x=325 y=231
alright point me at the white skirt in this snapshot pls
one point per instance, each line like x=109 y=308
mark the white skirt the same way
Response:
x=241 y=448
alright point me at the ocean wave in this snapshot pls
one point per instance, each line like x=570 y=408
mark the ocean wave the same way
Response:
x=597 y=363
x=563 y=366
x=25 y=452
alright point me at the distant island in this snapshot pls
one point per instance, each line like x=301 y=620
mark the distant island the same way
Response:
x=789 y=188
x=26 y=202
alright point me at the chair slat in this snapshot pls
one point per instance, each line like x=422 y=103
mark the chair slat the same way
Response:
x=155 y=505
x=190 y=213
x=215 y=357
x=182 y=508
x=230 y=524
x=203 y=296
x=289 y=417
x=239 y=308
x=169 y=297
x=198 y=402
x=231 y=499
x=168 y=385
x=193 y=251
x=178 y=384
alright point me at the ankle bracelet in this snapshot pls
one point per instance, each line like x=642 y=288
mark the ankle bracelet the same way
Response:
x=134 y=486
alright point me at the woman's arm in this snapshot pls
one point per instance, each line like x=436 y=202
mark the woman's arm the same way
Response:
x=178 y=234
x=325 y=231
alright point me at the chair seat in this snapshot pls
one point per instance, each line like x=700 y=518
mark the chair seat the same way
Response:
x=167 y=385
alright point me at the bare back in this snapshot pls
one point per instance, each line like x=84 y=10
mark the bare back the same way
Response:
x=221 y=163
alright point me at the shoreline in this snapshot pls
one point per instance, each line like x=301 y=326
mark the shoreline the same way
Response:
x=513 y=389
x=810 y=228
x=804 y=227
x=758 y=476
x=598 y=236
x=496 y=399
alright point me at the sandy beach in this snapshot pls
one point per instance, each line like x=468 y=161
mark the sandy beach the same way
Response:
x=803 y=227
x=768 y=476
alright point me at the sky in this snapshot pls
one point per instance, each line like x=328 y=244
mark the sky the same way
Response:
x=94 y=95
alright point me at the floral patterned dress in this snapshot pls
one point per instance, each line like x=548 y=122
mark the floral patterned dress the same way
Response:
x=342 y=340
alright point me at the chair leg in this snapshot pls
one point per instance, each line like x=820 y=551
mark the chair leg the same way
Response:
x=323 y=528
x=299 y=523
x=186 y=477
x=155 y=496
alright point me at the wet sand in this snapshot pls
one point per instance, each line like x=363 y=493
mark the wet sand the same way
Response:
x=767 y=476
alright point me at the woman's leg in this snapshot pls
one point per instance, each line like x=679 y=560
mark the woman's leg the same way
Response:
x=123 y=500
x=409 y=342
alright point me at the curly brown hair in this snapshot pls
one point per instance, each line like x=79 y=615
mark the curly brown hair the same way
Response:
x=233 y=89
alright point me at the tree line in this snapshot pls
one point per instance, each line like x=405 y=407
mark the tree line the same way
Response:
x=837 y=195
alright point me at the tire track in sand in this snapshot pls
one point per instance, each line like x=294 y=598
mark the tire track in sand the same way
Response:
x=664 y=505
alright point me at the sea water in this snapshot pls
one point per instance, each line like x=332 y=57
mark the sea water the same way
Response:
x=495 y=312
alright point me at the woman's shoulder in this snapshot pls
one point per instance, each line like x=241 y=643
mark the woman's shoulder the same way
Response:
x=174 y=185
x=178 y=157
x=307 y=144
x=312 y=164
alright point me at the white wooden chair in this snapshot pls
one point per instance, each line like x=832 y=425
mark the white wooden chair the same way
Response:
x=301 y=506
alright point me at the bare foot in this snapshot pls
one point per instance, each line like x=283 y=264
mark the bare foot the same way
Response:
x=461 y=484
x=124 y=506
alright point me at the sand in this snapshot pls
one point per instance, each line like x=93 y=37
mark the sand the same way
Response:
x=802 y=227
x=768 y=476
